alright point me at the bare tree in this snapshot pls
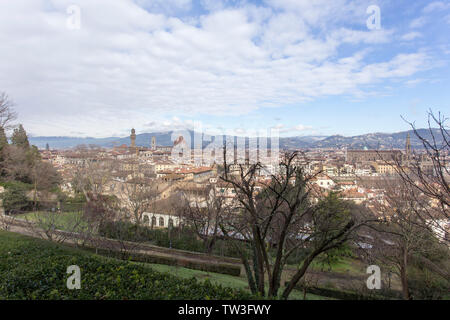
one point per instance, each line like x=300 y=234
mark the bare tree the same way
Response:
x=403 y=236
x=282 y=216
x=137 y=197
x=429 y=174
x=206 y=215
x=6 y=221
x=7 y=113
x=50 y=225
x=17 y=164
x=91 y=174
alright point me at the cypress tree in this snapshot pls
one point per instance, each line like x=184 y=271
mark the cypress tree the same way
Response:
x=3 y=139
x=3 y=144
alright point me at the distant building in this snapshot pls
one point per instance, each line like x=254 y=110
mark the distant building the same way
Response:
x=153 y=144
x=354 y=156
x=133 y=140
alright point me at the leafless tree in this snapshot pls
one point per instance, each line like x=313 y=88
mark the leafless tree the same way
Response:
x=6 y=221
x=92 y=174
x=17 y=164
x=7 y=113
x=429 y=174
x=403 y=236
x=205 y=214
x=50 y=225
x=137 y=196
x=283 y=216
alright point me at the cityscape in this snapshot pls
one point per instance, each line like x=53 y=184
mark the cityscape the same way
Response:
x=203 y=151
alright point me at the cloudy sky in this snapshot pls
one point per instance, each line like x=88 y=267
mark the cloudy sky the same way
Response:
x=306 y=67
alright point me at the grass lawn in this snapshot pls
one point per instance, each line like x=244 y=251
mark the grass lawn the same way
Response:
x=69 y=221
x=345 y=265
x=223 y=279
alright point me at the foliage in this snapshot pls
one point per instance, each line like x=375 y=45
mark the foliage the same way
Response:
x=177 y=238
x=427 y=285
x=15 y=196
x=125 y=230
x=36 y=269
x=223 y=268
x=19 y=137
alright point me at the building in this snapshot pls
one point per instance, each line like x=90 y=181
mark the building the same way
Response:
x=133 y=139
x=354 y=156
x=153 y=144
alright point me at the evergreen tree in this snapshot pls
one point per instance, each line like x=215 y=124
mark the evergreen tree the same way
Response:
x=19 y=137
x=3 y=144
x=3 y=139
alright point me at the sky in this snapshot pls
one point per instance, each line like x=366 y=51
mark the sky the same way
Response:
x=101 y=67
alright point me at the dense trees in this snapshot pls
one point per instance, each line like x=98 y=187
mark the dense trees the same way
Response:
x=21 y=166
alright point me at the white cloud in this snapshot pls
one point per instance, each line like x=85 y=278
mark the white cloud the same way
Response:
x=411 y=36
x=437 y=5
x=302 y=127
x=418 y=22
x=127 y=66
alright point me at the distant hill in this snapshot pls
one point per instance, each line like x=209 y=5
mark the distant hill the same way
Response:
x=376 y=140
x=370 y=141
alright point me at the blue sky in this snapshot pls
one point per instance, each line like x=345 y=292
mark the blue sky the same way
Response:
x=304 y=67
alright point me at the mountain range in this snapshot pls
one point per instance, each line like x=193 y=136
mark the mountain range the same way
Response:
x=369 y=141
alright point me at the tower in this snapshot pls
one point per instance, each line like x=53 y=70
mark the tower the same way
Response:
x=133 y=138
x=153 y=145
x=408 y=146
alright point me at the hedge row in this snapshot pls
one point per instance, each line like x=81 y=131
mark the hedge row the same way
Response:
x=171 y=261
x=36 y=269
x=348 y=295
x=177 y=238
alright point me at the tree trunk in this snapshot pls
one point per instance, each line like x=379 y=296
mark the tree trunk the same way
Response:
x=209 y=244
x=300 y=273
x=248 y=271
x=404 y=276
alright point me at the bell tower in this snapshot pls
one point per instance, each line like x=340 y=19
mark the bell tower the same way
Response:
x=408 y=146
x=133 y=138
x=153 y=145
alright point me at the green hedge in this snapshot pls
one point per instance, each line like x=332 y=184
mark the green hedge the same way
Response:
x=178 y=238
x=185 y=263
x=36 y=269
x=348 y=295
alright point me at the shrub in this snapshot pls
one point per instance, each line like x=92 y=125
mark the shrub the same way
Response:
x=427 y=285
x=15 y=197
x=36 y=269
